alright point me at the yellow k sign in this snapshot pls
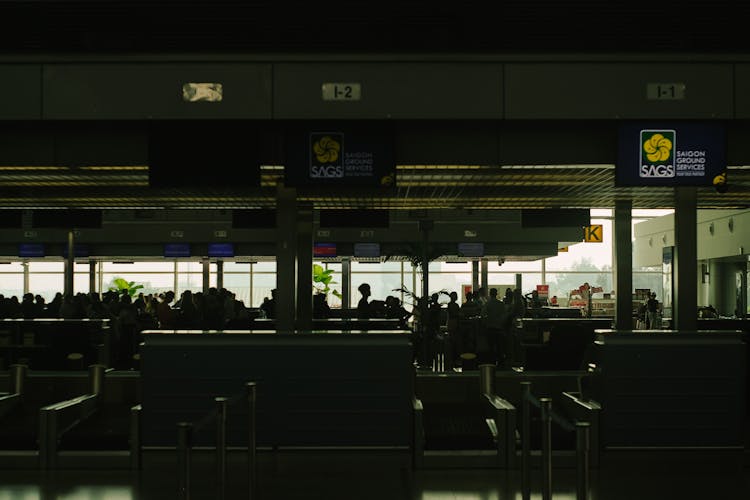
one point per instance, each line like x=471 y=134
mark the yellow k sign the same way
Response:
x=593 y=234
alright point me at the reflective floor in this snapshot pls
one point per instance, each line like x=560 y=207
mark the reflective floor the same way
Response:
x=334 y=476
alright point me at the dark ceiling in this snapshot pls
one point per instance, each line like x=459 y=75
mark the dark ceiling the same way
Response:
x=303 y=26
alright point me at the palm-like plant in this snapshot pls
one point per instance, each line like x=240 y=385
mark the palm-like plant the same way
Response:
x=323 y=279
x=121 y=284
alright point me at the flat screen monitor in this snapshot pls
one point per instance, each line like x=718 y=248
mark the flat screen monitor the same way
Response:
x=221 y=250
x=177 y=250
x=367 y=249
x=471 y=249
x=31 y=250
x=324 y=250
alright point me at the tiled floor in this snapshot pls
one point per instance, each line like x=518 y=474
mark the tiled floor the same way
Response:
x=334 y=476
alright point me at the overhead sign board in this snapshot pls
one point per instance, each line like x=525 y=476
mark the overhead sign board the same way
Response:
x=340 y=154
x=670 y=153
x=593 y=233
x=471 y=249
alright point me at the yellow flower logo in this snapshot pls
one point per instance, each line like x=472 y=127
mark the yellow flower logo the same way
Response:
x=657 y=148
x=326 y=150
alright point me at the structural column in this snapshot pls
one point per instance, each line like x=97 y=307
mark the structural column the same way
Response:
x=485 y=275
x=70 y=264
x=304 y=267
x=346 y=282
x=219 y=274
x=623 y=272
x=685 y=301
x=474 y=276
x=206 y=275
x=92 y=276
x=286 y=258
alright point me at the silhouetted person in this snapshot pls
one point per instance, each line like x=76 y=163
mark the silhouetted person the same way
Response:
x=269 y=306
x=27 y=305
x=321 y=309
x=495 y=315
x=652 y=312
x=363 y=306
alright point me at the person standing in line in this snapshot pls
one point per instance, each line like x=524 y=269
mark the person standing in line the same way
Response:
x=652 y=312
x=453 y=343
x=495 y=315
x=363 y=306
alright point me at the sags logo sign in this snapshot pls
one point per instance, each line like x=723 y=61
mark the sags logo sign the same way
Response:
x=657 y=153
x=326 y=155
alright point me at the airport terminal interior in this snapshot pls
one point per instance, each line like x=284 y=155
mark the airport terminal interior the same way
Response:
x=290 y=250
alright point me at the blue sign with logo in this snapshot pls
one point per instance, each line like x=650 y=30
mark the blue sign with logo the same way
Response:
x=670 y=154
x=340 y=154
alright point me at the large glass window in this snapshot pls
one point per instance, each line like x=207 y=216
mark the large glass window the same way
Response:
x=11 y=284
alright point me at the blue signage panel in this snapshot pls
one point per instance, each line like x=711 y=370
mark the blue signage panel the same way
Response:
x=670 y=153
x=176 y=250
x=221 y=250
x=31 y=250
x=340 y=154
x=471 y=249
x=367 y=249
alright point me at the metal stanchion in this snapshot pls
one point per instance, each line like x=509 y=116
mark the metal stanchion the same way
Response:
x=96 y=377
x=221 y=447
x=18 y=378
x=184 y=443
x=251 y=463
x=487 y=379
x=525 y=438
x=546 y=448
x=582 y=460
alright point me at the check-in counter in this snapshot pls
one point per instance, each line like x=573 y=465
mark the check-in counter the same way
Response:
x=556 y=343
x=669 y=388
x=55 y=344
x=313 y=389
x=332 y=324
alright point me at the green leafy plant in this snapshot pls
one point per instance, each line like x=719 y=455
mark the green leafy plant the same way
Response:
x=121 y=284
x=323 y=279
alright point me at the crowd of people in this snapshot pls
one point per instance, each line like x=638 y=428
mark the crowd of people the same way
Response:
x=210 y=311
x=482 y=324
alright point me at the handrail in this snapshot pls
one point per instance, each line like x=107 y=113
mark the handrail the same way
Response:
x=418 y=433
x=58 y=418
x=186 y=430
x=583 y=442
x=17 y=382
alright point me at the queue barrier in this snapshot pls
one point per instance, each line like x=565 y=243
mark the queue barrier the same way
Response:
x=586 y=432
x=13 y=399
x=59 y=419
x=185 y=433
x=496 y=415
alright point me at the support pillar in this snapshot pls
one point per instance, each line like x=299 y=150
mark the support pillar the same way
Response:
x=304 y=267
x=346 y=283
x=474 y=276
x=286 y=258
x=485 y=275
x=685 y=300
x=206 y=275
x=92 y=277
x=623 y=271
x=219 y=274
x=70 y=264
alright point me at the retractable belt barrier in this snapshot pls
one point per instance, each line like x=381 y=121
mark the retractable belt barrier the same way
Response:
x=185 y=431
